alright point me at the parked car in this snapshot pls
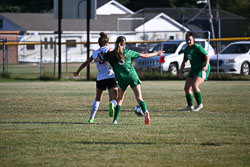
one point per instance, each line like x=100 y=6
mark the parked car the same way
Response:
x=233 y=59
x=172 y=58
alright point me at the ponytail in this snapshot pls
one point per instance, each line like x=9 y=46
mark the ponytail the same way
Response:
x=117 y=53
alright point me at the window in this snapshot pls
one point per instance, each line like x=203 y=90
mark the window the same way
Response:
x=202 y=43
x=71 y=45
x=45 y=46
x=51 y=45
x=236 y=49
x=171 y=36
x=30 y=47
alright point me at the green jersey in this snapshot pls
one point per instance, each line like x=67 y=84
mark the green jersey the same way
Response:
x=196 y=54
x=125 y=73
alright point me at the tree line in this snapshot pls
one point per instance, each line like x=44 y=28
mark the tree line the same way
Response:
x=239 y=7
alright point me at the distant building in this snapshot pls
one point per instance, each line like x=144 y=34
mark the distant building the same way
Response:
x=114 y=19
x=198 y=20
x=11 y=50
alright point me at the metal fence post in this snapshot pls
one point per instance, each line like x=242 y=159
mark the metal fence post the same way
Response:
x=3 y=57
x=41 y=57
x=66 y=52
x=55 y=59
x=7 y=59
x=217 y=62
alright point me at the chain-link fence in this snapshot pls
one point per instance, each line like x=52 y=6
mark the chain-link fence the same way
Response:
x=34 y=56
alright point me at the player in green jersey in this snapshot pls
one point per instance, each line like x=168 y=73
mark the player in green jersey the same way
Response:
x=121 y=61
x=200 y=69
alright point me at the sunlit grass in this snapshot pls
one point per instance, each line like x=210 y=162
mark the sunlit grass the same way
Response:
x=45 y=124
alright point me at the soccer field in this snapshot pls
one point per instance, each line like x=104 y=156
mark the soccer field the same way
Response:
x=45 y=124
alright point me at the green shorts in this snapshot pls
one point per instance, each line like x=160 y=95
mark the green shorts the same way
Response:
x=201 y=73
x=124 y=82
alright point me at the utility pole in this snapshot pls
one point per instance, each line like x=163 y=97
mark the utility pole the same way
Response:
x=211 y=18
x=210 y=15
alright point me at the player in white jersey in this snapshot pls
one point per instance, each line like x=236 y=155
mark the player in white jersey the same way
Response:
x=105 y=78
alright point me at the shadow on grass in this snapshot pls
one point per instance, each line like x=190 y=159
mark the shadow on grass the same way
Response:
x=114 y=143
x=65 y=123
x=43 y=123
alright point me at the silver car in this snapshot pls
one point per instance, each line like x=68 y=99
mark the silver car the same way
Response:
x=233 y=59
x=172 y=58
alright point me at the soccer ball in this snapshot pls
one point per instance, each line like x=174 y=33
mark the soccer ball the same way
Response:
x=138 y=111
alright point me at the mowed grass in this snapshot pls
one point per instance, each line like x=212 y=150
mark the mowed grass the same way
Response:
x=45 y=124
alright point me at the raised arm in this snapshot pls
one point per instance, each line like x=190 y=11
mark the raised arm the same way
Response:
x=82 y=66
x=147 y=55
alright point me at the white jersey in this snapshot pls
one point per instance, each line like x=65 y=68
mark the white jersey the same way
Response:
x=103 y=67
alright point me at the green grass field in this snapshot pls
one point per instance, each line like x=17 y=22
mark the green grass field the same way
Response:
x=45 y=124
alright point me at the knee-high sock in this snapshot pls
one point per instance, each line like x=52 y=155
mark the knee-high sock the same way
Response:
x=94 y=108
x=117 y=112
x=198 y=98
x=189 y=98
x=143 y=106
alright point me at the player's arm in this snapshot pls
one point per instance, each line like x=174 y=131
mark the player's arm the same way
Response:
x=82 y=66
x=183 y=64
x=207 y=62
x=147 y=55
x=206 y=57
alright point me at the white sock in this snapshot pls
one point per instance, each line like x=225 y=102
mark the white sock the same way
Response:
x=94 y=108
x=114 y=102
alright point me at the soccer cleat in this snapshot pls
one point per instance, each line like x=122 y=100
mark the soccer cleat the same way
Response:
x=114 y=122
x=147 y=118
x=188 y=108
x=198 y=107
x=91 y=120
x=111 y=109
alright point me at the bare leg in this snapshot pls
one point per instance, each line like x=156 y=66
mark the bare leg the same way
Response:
x=138 y=94
x=196 y=83
x=113 y=93
x=188 y=86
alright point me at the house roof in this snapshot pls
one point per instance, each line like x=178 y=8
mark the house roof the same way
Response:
x=113 y=7
x=161 y=22
x=46 y=22
x=186 y=13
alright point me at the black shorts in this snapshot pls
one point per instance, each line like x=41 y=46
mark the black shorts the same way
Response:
x=106 y=83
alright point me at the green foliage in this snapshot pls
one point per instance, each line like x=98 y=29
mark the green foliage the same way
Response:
x=5 y=75
x=235 y=6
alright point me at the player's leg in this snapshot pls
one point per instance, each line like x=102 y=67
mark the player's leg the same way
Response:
x=201 y=77
x=197 y=93
x=138 y=97
x=141 y=102
x=113 y=91
x=95 y=105
x=120 y=98
x=189 y=95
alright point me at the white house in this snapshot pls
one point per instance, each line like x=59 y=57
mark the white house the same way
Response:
x=112 y=18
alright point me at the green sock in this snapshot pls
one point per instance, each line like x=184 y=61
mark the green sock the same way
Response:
x=189 y=98
x=117 y=112
x=197 y=96
x=143 y=106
